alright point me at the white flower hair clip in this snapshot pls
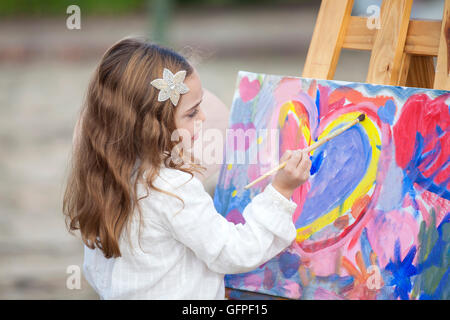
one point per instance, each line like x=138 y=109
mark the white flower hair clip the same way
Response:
x=171 y=86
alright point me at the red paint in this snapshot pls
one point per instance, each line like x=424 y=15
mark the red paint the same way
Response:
x=356 y=97
x=355 y=239
x=422 y=114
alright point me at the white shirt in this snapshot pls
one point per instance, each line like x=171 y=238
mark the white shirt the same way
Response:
x=184 y=253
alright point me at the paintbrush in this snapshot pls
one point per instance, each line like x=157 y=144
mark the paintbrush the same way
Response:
x=315 y=145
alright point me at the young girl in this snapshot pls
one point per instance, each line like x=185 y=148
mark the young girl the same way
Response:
x=150 y=229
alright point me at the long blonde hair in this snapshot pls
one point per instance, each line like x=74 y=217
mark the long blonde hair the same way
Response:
x=124 y=131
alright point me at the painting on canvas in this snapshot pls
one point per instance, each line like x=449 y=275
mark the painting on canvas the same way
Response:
x=373 y=220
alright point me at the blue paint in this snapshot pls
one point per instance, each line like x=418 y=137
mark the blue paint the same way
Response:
x=344 y=162
x=402 y=271
x=336 y=283
x=413 y=173
x=289 y=263
x=242 y=112
x=263 y=109
x=316 y=161
x=234 y=280
x=392 y=198
x=222 y=200
x=366 y=248
x=387 y=112
x=318 y=104
x=428 y=158
x=439 y=131
x=407 y=183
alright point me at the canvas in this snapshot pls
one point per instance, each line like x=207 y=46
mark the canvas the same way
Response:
x=373 y=220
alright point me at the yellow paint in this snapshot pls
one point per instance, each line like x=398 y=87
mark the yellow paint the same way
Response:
x=289 y=107
x=233 y=194
x=260 y=139
x=229 y=166
x=363 y=187
x=306 y=133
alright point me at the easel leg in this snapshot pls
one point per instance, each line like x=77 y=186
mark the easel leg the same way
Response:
x=442 y=79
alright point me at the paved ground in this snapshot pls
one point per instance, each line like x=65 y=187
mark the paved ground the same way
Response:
x=44 y=73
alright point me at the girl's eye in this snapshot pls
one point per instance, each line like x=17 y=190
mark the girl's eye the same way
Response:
x=193 y=114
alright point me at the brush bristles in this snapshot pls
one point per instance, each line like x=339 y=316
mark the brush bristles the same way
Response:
x=361 y=117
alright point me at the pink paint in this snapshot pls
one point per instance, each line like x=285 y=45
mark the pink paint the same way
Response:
x=324 y=95
x=299 y=196
x=407 y=202
x=253 y=282
x=293 y=289
x=287 y=90
x=248 y=90
x=387 y=228
x=441 y=205
x=424 y=210
x=290 y=89
x=269 y=279
x=292 y=139
x=323 y=262
x=241 y=136
x=254 y=171
x=322 y=294
x=235 y=216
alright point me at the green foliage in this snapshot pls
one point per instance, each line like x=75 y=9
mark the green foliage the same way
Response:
x=56 y=7
x=100 y=7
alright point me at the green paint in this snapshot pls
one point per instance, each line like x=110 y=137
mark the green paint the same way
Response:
x=429 y=278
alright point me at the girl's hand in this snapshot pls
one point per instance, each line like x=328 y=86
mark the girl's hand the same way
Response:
x=294 y=174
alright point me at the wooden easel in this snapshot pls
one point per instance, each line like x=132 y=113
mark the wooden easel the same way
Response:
x=402 y=49
x=402 y=53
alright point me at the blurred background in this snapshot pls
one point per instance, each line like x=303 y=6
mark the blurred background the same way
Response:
x=44 y=71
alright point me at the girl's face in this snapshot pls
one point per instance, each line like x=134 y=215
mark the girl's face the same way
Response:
x=188 y=115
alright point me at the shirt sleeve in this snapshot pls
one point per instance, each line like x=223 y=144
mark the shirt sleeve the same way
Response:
x=225 y=247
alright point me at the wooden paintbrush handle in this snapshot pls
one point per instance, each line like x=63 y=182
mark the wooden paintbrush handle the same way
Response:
x=307 y=150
